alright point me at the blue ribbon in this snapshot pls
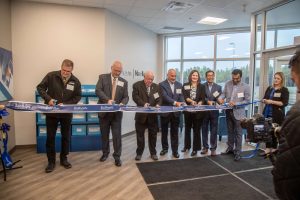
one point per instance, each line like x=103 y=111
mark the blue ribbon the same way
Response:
x=86 y=108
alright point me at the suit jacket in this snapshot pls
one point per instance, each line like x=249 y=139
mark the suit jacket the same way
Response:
x=278 y=112
x=140 y=97
x=242 y=96
x=104 y=90
x=169 y=96
x=200 y=96
x=213 y=95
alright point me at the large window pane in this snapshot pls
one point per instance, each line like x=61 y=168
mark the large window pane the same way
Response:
x=202 y=67
x=256 y=82
x=286 y=37
x=198 y=47
x=173 y=48
x=176 y=66
x=270 y=39
x=224 y=69
x=233 y=45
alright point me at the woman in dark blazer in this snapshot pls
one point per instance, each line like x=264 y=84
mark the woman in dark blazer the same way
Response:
x=194 y=94
x=276 y=99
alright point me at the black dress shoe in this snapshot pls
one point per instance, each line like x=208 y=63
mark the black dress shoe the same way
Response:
x=50 y=167
x=185 y=149
x=163 y=152
x=176 y=155
x=66 y=164
x=103 y=158
x=154 y=157
x=227 y=151
x=118 y=162
x=194 y=153
x=138 y=157
x=237 y=157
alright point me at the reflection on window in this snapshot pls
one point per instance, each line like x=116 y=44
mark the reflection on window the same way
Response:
x=270 y=39
x=176 y=66
x=224 y=69
x=235 y=45
x=198 y=47
x=258 y=32
x=202 y=67
x=173 y=48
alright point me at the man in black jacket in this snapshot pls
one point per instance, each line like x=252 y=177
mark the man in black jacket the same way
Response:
x=146 y=93
x=59 y=87
x=286 y=172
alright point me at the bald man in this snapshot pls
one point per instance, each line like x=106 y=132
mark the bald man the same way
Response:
x=112 y=89
x=146 y=93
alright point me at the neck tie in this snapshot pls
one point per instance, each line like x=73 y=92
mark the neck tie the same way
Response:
x=148 y=90
x=114 y=84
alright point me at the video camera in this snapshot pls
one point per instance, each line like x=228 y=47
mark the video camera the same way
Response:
x=259 y=128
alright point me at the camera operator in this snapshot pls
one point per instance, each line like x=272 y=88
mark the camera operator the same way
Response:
x=286 y=172
x=276 y=99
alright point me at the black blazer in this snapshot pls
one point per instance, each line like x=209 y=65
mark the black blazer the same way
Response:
x=278 y=112
x=104 y=90
x=213 y=95
x=200 y=96
x=140 y=97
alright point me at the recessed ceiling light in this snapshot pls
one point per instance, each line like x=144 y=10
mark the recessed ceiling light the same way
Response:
x=211 y=20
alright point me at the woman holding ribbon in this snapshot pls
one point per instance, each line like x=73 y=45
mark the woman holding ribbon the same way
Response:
x=276 y=98
x=194 y=94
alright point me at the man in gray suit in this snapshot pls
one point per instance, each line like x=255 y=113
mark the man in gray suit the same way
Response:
x=112 y=89
x=212 y=93
x=235 y=92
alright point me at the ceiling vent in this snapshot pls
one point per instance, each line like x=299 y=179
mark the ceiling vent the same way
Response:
x=177 y=7
x=172 y=28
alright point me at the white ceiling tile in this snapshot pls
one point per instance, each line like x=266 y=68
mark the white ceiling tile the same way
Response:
x=143 y=12
x=216 y=3
x=120 y=10
x=119 y=2
x=139 y=20
x=151 y=4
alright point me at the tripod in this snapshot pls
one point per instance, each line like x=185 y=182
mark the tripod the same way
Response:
x=6 y=161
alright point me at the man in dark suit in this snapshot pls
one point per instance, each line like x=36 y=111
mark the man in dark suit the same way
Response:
x=171 y=96
x=112 y=89
x=146 y=93
x=212 y=93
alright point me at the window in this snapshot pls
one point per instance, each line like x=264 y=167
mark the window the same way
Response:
x=198 y=47
x=201 y=66
x=173 y=48
x=235 y=45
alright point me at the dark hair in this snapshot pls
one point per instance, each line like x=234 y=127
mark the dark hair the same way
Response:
x=190 y=75
x=237 y=71
x=68 y=63
x=209 y=71
x=295 y=62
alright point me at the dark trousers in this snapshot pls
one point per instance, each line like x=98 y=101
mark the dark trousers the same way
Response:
x=234 y=132
x=210 y=120
x=174 y=124
x=52 y=124
x=111 y=121
x=191 y=121
x=140 y=136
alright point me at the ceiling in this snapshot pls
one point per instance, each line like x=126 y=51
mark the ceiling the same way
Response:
x=150 y=14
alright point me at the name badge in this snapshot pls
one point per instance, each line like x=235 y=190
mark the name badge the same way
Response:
x=120 y=83
x=277 y=94
x=216 y=94
x=178 y=91
x=240 y=95
x=187 y=87
x=70 y=87
x=156 y=95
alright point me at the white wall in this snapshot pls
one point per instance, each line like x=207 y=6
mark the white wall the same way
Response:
x=44 y=34
x=136 y=48
x=5 y=42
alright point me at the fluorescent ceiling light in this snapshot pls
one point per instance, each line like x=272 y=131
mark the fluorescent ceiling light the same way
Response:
x=212 y=20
